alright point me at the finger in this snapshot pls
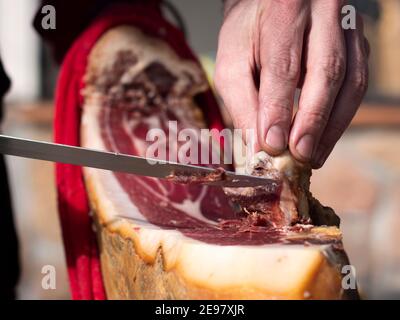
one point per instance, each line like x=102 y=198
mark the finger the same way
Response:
x=234 y=79
x=325 y=70
x=350 y=96
x=281 y=42
x=240 y=99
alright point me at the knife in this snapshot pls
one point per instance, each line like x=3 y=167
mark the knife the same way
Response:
x=120 y=162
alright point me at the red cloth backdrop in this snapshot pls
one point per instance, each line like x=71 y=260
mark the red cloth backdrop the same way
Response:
x=79 y=239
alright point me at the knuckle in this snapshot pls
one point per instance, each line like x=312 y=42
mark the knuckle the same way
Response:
x=284 y=66
x=316 y=118
x=334 y=69
x=359 y=81
x=276 y=109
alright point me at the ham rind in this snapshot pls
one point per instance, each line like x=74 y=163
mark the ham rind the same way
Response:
x=183 y=240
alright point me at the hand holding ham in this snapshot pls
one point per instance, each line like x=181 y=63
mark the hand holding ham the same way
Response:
x=269 y=48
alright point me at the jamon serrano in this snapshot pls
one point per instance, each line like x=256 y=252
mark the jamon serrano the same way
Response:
x=159 y=239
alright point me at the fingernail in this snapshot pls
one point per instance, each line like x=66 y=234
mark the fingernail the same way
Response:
x=276 y=138
x=305 y=146
x=319 y=158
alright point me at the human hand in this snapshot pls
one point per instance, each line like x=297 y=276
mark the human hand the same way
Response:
x=267 y=49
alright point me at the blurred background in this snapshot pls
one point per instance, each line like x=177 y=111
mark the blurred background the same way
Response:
x=361 y=180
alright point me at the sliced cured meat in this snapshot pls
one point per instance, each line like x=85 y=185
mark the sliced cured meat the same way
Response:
x=289 y=205
x=160 y=239
x=219 y=174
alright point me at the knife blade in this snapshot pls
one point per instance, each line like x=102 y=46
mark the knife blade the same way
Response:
x=118 y=162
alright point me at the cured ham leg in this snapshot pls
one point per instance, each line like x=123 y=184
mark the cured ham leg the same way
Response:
x=160 y=240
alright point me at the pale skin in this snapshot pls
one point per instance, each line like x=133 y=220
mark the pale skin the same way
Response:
x=269 y=48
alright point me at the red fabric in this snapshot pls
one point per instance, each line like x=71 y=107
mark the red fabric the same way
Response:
x=73 y=17
x=79 y=239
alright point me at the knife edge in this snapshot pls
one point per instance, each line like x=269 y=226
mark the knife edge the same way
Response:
x=118 y=162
